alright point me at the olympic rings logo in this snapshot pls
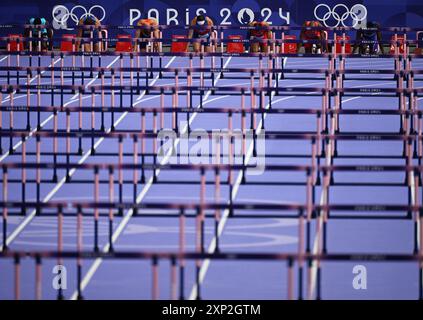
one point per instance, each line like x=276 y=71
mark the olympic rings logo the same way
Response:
x=340 y=14
x=61 y=15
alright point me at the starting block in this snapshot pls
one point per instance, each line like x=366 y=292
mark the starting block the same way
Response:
x=338 y=45
x=290 y=47
x=235 y=47
x=66 y=43
x=179 y=46
x=124 y=46
x=14 y=44
x=400 y=39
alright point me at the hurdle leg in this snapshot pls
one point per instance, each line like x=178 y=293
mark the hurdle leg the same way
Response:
x=102 y=128
x=111 y=211
x=55 y=145
x=319 y=281
x=173 y=278
x=60 y=245
x=83 y=63
x=62 y=79
x=5 y=209
x=80 y=122
x=112 y=101
x=96 y=210
x=23 y=177
x=11 y=116
x=290 y=279
x=155 y=272
x=197 y=275
x=131 y=79
x=217 y=193
x=28 y=103
x=79 y=233
x=38 y=173
x=181 y=251
x=310 y=208
x=68 y=146
x=202 y=67
x=155 y=149
x=8 y=61
x=300 y=252
x=92 y=119
x=143 y=131
x=135 y=173
x=200 y=234
x=120 y=173
x=38 y=283
x=160 y=64
x=121 y=75
x=17 y=280
x=300 y=282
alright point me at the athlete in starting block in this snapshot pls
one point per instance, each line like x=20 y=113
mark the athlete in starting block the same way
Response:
x=202 y=30
x=151 y=32
x=313 y=35
x=263 y=33
x=368 y=40
x=95 y=34
x=44 y=34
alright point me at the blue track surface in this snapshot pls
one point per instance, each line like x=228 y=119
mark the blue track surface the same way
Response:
x=130 y=279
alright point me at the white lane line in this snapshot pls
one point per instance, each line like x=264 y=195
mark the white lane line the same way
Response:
x=28 y=218
x=123 y=223
x=51 y=116
x=4 y=58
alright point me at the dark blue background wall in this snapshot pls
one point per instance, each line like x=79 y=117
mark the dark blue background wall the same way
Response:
x=117 y=12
